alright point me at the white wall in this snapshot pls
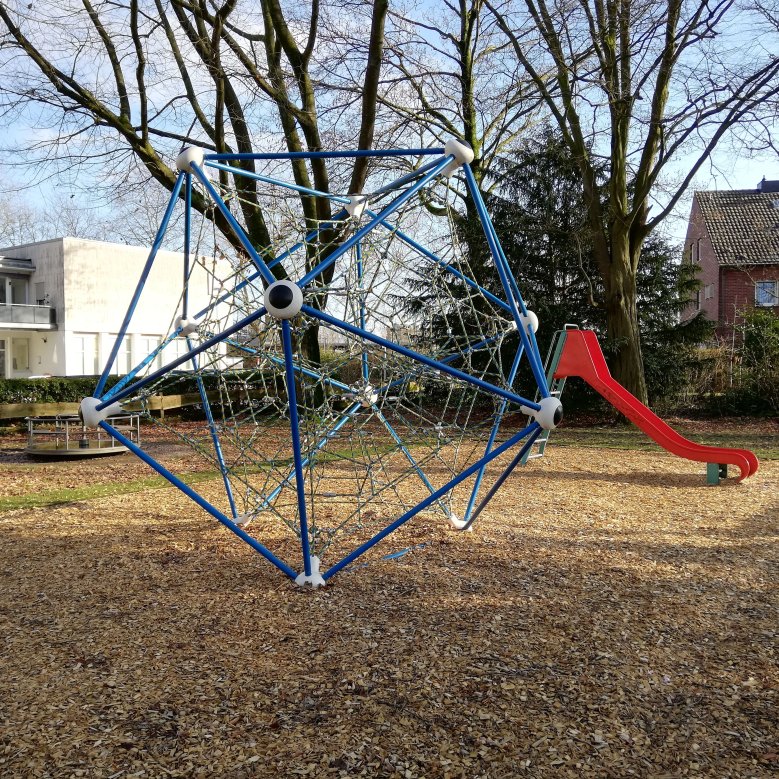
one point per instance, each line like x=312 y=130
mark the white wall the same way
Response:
x=91 y=284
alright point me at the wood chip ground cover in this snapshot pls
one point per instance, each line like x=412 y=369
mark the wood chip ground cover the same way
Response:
x=610 y=617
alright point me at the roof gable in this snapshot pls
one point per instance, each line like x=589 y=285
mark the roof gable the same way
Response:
x=743 y=225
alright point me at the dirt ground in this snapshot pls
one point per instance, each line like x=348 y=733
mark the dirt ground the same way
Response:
x=611 y=616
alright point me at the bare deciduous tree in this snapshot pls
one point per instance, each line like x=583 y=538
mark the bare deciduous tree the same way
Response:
x=117 y=84
x=645 y=86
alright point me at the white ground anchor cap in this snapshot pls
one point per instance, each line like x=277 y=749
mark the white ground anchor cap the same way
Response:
x=460 y=524
x=316 y=579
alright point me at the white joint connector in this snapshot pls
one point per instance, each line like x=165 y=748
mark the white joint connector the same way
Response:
x=189 y=155
x=549 y=415
x=366 y=395
x=460 y=524
x=244 y=520
x=92 y=417
x=186 y=326
x=356 y=205
x=315 y=580
x=531 y=319
x=283 y=299
x=462 y=153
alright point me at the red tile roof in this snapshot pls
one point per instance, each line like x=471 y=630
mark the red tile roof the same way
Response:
x=743 y=225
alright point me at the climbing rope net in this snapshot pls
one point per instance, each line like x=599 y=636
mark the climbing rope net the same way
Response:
x=350 y=374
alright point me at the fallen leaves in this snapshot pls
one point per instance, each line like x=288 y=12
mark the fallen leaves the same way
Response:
x=610 y=617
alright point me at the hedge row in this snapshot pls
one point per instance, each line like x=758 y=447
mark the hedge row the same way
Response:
x=71 y=389
x=56 y=389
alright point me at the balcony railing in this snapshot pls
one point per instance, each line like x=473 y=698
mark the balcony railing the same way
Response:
x=18 y=314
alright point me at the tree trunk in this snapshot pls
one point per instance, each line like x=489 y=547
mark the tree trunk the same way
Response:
x=627 y=364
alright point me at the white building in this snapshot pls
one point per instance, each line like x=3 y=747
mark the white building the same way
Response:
x=62 y=303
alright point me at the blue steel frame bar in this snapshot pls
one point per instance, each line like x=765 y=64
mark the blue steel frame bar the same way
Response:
x=272 y=264
x=361 y=293
x=448 y=359
x=436 y=259
x=505 y=274
x=298 y=368
x=147 y=360
x=324 y=155
x=435 y=364
x=309 y=458
x=399 y=182
x=506 y=473
x=494 y=432
x=294 y=424
x=204 y=504
x=214 y=435
x=432 y=498
x=236 y=228
x=187 y=240
x=363 y=231
x=515 y=287
x=141 y=284
x=285 y=184
x=207 y=344
x=414 y=464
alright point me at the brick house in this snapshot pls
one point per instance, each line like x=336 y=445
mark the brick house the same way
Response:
x=734 y=237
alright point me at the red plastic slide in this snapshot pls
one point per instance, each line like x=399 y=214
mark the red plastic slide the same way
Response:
x=583 y=357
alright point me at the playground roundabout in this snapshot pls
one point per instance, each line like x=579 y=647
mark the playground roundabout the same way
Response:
x=610 y=615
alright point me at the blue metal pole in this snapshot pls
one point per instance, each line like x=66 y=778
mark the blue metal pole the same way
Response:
x=532 y=355
x=399 y=182
x=187 y=240
x=141 y=283
x=435 y=364
x=363 y=231
x=207 y=344
x=445 y=265
x=294 y=424
x=414 y=464
x=361 y=293
x=506 y=473
x=236 y=228
x=517 y=293
x=343 y=419
x=277 y=182
x=325 y=155
x=204 y=504
x=451 y=484
x=494 y=432
x=214 y=435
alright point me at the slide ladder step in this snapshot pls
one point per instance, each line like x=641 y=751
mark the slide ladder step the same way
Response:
x=556 y=387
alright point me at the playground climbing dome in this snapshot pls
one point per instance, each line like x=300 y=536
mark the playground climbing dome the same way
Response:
x=354 y=371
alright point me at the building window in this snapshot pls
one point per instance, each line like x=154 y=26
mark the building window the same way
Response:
x=708 y=292
x=121 y=364
x=13 y=290
x=85 y=346
x=20 y=354
x=148 y=345
x=697 y=299
x=766 y=293
x=2 y=359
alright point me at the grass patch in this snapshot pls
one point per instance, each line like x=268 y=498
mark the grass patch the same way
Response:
x=766 y=447
x=89 y=492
